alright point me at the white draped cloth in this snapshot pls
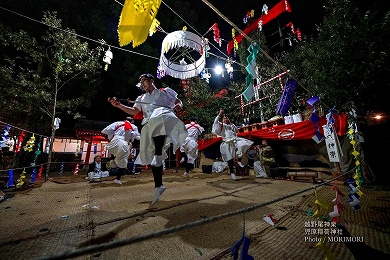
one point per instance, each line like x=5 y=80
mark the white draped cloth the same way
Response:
x=231 y=145
x=159 y=119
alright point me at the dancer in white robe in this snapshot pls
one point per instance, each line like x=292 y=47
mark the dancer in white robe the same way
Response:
x=121 y=134
x=160 y=127
x=190 y=146
x=231 y=145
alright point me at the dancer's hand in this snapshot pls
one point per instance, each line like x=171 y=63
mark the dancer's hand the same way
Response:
x=220 y=112
x=114 y=102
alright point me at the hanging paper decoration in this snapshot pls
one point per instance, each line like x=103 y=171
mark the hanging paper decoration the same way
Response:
x=260 y=25
x=48 y=141
x=297 y=32
x=311 y=101
x=206 y=47
x=160 y=71
x=358 y=177
x=76 y=169
x=20 y=141
x=40 y=173
x=30 y=144
x=185 y=85
x=57 y=122
x=243 y=246
x=61 y=168
x=235 y=42
x=217 y=36
x=77 y=149
x=34 y=175
x=10 y=182
x=5 y=136
x=236 y=248
x=108 y=56
x=20 y=182
x=136 y=19
x=242 y=105
x=251 y=69
x=279 y=8
x=318 y=137
x=229 y=68
x=354 y=194
x=38 y=150
x=287 y=96
x=319 y=205
x=328 y=253
x=264 y=10
x=248 y=15
x=269 y=218
x=205 y=75
x=339 y=194
x=154 y=27
x=335 y=215
x=185 y=47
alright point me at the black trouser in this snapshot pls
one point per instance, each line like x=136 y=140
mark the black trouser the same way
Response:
x=121 y=171
x=189 y=167
x=158 y=171
x=231 y=165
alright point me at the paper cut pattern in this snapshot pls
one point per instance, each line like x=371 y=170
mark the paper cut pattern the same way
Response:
x=136 y=19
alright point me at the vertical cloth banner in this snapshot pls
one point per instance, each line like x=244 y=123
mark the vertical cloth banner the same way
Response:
x=287 y=96
x=249 y=92
x=332 y=144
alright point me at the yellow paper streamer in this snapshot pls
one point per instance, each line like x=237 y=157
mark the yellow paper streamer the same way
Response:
x=316 y=214
x=135 y=21
x=20 y=181
x=30 y=144
x=328 y=254
x=235 y=43
x=321 y=204
x=154 y=26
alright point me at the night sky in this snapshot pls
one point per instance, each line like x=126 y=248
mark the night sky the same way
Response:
x=305 y=15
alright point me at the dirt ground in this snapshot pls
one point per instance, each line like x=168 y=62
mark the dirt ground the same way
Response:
x=199 y=217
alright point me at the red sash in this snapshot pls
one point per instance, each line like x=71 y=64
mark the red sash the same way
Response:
x=193 y=125
x=126 y=124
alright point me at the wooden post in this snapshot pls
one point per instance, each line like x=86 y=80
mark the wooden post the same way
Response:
x=88 y=154
x=178 y=158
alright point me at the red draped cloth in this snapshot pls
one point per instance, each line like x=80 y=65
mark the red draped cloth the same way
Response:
x=297 y=131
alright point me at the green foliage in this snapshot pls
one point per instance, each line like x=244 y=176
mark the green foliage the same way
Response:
x=202 y=103
x=47 y=77
x=346 y=66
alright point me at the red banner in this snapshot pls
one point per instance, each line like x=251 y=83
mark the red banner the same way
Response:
x=297 y=131
x=282 y=6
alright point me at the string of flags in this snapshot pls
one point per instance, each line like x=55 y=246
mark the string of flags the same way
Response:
x=32 y=145
x=334 y=211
